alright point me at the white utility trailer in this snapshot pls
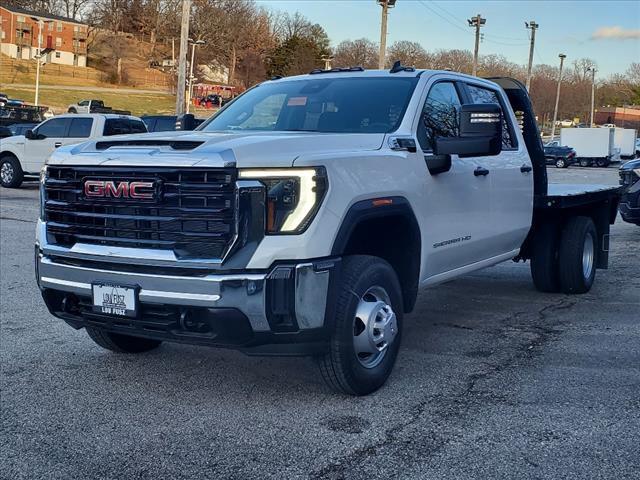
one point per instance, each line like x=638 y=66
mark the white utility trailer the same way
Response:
x=625 y=140
x=592 y=145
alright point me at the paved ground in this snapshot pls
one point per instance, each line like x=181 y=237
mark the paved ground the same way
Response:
x=494 y=380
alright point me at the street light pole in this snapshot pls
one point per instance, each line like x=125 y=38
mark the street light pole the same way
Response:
x=533 y=26
x=593 y=92
x=476 y=22
x=182 y=56
x=193 y=56
x=38 y=59
x=386 y=5
x=555 y=110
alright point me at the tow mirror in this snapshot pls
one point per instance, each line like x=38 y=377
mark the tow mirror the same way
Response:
x=480 y=132
x=30 y=135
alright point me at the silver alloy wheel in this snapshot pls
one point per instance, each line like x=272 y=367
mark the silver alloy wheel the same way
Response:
x=375 y=327
x=587 y=256
x=560 y=163
x=7 y=173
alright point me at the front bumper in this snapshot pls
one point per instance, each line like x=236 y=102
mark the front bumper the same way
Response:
x=282 y=311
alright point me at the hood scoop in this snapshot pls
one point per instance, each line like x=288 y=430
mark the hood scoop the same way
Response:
x=172 y=144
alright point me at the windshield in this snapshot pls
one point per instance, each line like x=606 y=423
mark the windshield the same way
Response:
x=339 y=105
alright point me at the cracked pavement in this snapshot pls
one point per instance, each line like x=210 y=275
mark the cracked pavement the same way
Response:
x=493 y=380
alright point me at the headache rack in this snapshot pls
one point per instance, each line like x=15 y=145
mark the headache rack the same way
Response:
x=192 y=212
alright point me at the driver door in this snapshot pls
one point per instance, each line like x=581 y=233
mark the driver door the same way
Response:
x=456 y=210
x=48 y=136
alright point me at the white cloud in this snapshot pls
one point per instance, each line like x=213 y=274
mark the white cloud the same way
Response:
x=615 y=32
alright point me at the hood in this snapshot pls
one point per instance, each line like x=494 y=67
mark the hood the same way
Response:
x=12 y=140
x=212 y=149
x=631 y=164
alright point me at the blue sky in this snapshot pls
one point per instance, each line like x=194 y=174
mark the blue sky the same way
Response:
x=565 y=26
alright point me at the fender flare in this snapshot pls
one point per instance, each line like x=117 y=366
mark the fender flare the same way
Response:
x=380 y=208
x=367 y=210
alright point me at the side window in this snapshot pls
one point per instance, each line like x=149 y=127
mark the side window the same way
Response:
x=485 y=95
x=440 y=115
x=55 y=128
x=80 y=128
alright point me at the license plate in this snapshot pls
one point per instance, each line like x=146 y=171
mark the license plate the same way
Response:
x=114 y=300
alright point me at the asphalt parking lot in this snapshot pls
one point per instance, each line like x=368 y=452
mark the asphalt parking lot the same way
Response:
x=494 y=380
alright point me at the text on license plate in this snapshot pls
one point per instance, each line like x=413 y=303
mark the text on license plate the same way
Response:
x=114 y=300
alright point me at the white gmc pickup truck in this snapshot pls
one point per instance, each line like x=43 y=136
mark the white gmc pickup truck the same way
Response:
x=304 y=216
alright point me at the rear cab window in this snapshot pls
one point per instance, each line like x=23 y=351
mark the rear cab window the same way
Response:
x=123 y=126
x=480 y=94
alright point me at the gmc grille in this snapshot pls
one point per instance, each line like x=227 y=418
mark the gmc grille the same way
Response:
x=193 y=214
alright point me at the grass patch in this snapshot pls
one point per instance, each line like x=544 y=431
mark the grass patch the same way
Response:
x=59 y=100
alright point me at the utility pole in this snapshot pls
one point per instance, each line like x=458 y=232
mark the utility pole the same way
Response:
x=555 y=110
x=593 y=92
x=533 y=26
x=386 y=5
x=476 y=22
x=38 y=60
x=182 y=56
x=193 y=61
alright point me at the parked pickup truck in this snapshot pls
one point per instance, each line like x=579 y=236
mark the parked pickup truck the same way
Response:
x=94 y=106
x=22 y=156
x=559 y=155
x=303 y=218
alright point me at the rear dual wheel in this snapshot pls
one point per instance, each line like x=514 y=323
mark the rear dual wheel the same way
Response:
x=564 y=260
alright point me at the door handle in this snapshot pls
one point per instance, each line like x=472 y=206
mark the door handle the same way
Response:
x=57 y=144
x=525 y=168
x=481 y=172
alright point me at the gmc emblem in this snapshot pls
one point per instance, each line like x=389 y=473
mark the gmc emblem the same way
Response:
x=125 y=189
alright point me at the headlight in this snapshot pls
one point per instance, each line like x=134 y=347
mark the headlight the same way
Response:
x=43 y=179
x=293 y=196
x=636 y=171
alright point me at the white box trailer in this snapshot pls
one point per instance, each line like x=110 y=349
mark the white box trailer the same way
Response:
x=592 y=145
x=625 y=140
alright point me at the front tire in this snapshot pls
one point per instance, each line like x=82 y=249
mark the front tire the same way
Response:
x=119 y=343
x=577 y=255
x=11 y=174
x=367 y=327
x=560 y=163
x=72 y=110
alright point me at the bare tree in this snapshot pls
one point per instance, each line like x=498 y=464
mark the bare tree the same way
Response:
x=361 y=52
x=409 y=53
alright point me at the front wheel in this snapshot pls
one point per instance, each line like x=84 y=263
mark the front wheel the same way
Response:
x=560 y=163
x=72 y=110
x=11 y=174
x=119 y=343
x=367 y=327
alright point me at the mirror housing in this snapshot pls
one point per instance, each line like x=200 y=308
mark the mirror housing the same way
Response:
x=480 y=132
x=30 y=135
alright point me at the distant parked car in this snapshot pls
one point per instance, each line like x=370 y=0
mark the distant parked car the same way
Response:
x=3 y=99
x=21 y=128
x=558 y=155
x=564 y=123
x=608 y=125
x=214 y=99
x=5 y=132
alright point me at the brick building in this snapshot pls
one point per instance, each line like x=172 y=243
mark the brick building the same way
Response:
x=624 y=117
x=64 y=40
